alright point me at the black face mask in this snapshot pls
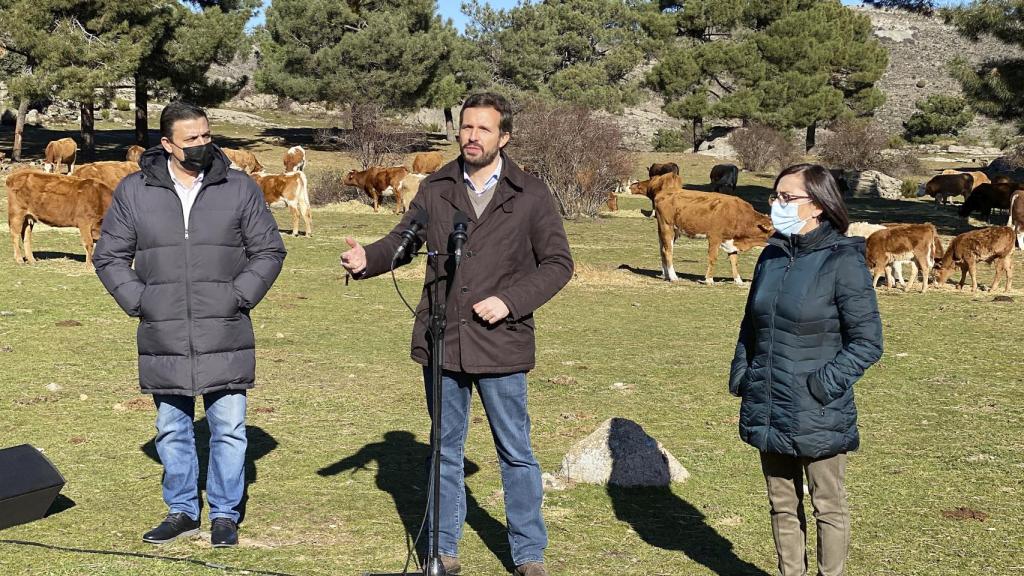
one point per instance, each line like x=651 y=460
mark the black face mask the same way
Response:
x=197 y=158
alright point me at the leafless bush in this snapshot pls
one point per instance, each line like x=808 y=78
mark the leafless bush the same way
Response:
x=760 y=147
x=326 y=187
x=855 y=144
x=372 y=140
x=577 y=155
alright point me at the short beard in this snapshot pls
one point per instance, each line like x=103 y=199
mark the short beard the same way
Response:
x=484 y=160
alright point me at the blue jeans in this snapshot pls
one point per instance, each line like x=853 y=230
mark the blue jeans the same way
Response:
x=504 y=400
x=176 y=445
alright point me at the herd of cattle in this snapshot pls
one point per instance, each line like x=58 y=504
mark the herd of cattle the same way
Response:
x=80 y=198
x=732 y=224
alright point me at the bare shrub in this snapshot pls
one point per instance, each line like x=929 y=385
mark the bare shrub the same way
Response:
x=576 y=153
x=326 y=187
x=372 y=140
x=855 y=144
x=760 y=147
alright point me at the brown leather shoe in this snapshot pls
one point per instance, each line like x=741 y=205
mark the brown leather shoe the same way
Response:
x=531 y=569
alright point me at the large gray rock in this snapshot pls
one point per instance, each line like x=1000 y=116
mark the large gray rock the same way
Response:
x=619 y=452
x=872 y=184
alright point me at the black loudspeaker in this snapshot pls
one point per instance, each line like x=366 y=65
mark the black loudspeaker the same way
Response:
x=29 y=483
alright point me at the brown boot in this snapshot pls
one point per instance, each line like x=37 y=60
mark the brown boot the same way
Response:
x=451 y=564
x=531 y=569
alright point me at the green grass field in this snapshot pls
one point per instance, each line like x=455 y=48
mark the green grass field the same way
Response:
x=940 y=416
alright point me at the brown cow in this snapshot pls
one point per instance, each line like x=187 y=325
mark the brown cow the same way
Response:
x=54 y=200
x=895 y=269
x=109 y=173
x=293 y=188
x=376 y=180
x=723 y=178
x=659 y=169
x=245 y=161
x=886 y=247
x=1017 y=217
x=944 y=186
x=134 y=153
x=977 y=178
x=427 y=162
x=993 y=245
x=63 y=151
x=728 y=222
x=410 y=187
x=1003 y=179
x=295 y=159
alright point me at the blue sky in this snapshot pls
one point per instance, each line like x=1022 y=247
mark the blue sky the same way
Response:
x=451 y=9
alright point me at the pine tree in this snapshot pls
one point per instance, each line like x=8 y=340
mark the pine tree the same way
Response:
x=393 y=52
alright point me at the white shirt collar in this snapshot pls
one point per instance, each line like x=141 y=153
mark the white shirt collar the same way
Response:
x=491 y=180
x=178 y=183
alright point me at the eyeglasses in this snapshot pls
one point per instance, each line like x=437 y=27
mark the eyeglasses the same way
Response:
x=784 y=199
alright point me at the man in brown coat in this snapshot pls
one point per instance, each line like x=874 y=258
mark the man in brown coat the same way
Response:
x=516 y=259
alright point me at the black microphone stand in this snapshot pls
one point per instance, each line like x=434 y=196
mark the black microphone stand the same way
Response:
x=438 y=319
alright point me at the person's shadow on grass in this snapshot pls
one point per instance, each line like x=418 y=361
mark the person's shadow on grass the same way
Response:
x=665 y=520
x=402 y=463
x=260 y=443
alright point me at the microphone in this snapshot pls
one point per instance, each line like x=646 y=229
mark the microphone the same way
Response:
x=459 y=235
x=409 y=235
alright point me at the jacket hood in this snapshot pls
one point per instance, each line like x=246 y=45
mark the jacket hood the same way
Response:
x=824 y=236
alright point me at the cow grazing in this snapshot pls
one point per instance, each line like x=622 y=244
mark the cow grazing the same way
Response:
x=134 y=153
x=888 y=246
x=63 y=151
x=410 y=186
x=993 y=245
x=427 y=162
x=376 y=181
x=1017 y=217
x=243 y=160
x=977 y=178
x=293 y=188
x=986 y=197
x=729 y=222
x=54 y=200
x=864 y=230
x=659 y=169
x=723 y=178
x=944 y=186
x=295 y=159
x=109 y=173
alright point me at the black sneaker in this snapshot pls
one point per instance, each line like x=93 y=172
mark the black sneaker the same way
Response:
x=176 y=525
x=224 y=533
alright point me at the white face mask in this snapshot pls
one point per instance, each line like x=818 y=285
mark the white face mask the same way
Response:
x=786 y=219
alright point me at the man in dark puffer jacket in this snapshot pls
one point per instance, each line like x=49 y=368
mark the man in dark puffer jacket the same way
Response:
x=206 y=250
x=810 y=331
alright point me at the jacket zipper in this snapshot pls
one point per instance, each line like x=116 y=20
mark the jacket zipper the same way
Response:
x=771 y=347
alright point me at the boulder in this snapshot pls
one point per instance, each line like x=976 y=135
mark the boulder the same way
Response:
x=619 y=452
x=873 y=184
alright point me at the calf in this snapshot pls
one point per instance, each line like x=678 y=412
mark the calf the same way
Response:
x=729 y=222
x=993 y=245
x=295 y=159
x=376 y=181
x=293 y=188
x=887 y=246
x=63 y=151
x=986 y=197
x=410 y=186
x=865 y=230
x=244 y=160
x=427 y=162
x=54 y=200
x=134 y=153
x=723 y=178
x=1017 y=217
x=944 y=186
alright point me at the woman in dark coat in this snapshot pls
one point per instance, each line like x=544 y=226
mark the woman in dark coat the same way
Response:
x=810 y=330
